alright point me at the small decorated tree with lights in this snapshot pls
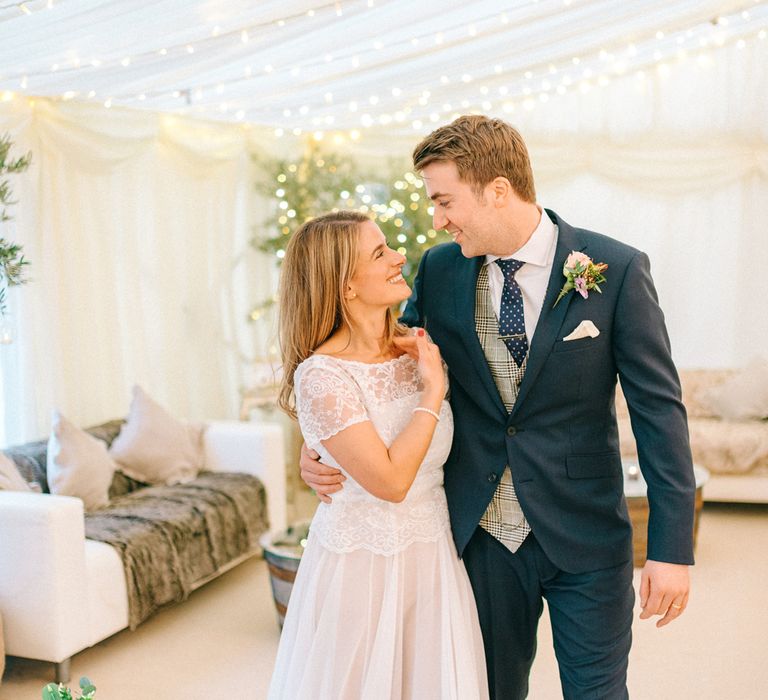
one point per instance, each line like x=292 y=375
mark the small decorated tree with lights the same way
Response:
x=316 y=183
x=320 y=182
x=300 y=189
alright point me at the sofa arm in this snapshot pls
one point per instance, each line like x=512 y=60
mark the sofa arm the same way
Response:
x=43 y=578
x=253 y=448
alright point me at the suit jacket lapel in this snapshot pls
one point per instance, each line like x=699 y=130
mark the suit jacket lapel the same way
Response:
x=551 y=317
x=466 y=273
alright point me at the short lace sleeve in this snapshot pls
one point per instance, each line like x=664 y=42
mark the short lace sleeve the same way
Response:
x=327 y=400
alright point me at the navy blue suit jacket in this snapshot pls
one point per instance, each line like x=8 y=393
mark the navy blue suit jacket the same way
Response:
x=561 y=440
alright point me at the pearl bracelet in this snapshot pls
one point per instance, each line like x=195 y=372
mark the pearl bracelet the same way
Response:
x=427 y=410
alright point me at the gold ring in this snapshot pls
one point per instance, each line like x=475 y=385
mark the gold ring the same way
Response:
x=677 y=607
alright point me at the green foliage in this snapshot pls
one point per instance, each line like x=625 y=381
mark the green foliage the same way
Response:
x=12 y=262
x=320 y=182
x=61 y=692
x=8 y=166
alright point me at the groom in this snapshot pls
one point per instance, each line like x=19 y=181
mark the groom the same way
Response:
x=534 y=479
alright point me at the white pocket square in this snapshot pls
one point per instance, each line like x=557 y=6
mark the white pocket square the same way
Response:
x=586 y=329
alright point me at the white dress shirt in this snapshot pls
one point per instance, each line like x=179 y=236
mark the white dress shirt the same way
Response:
x=532 y=278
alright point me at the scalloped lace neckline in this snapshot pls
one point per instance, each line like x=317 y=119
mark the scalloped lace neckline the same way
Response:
x=359 y=362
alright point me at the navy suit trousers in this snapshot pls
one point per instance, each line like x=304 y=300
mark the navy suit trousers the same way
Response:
x=591 y=616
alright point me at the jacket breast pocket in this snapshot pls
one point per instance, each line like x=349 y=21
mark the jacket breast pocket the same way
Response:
x=577 y=345
x=595 y=466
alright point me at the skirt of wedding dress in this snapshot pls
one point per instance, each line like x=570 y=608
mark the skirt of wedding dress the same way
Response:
x=368 y=626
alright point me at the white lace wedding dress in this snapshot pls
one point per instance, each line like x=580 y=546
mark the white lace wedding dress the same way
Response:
x=382 y=608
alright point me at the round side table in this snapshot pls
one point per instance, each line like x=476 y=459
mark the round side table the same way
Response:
x=635 y=491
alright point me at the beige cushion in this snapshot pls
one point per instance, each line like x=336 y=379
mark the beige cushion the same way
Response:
x=78 y=464
x=744 y=396
x=10 y=479
x=154 y=447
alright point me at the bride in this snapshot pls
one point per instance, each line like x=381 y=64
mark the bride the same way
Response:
x=381 y=607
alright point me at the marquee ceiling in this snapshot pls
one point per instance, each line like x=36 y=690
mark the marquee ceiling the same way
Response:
x=303 y=66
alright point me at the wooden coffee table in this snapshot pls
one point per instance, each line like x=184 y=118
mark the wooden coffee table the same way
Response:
x=635 y=491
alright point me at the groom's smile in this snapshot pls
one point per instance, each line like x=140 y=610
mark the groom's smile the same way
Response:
x=456 y=206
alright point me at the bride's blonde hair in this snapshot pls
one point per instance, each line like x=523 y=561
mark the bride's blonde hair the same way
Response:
x=319 y=262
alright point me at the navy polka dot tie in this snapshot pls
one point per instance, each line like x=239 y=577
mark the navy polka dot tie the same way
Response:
x=511 y=314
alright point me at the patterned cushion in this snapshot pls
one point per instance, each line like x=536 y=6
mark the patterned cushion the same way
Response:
x=31 y=458
x=10 y=479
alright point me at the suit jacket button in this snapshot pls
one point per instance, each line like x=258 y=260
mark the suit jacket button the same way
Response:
x=492 y=477
x=511 y=430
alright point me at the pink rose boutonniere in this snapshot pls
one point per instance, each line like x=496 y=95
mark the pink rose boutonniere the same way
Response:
x=582 y=275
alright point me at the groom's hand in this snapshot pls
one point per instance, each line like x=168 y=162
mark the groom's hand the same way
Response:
x=323 y=480
x=664 y=589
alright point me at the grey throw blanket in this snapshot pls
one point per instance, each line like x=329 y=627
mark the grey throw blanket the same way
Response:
x=171 y=537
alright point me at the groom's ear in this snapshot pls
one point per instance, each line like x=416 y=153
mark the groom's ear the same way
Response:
x=501 y=191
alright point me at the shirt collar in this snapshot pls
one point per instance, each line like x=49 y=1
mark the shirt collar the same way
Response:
x=537 y=248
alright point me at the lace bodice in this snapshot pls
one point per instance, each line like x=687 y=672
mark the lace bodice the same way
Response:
x=333 y=394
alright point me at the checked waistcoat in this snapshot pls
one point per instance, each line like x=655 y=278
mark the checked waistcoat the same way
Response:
x=504 y=518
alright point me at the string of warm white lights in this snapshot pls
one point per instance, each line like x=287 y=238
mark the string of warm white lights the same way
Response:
x=214 y=42
x=577 y=72
x=446 y=39
x=243 y=33
x=540 y=82
x=446 y=111
x=580 y=72
x=312 y=94
x=610 y=60
x=28 y=7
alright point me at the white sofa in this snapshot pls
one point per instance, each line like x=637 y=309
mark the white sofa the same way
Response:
x=735 y=452
x=61 y=593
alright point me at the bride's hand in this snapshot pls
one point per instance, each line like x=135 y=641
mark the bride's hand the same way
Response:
x=430 y=366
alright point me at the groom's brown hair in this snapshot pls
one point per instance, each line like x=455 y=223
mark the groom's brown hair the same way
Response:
x=482 y=149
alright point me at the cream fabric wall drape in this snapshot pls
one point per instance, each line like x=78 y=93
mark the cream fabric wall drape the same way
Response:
x=674 y=162
x=137 y=226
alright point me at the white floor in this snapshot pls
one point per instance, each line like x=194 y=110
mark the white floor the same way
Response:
x=221 y=643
